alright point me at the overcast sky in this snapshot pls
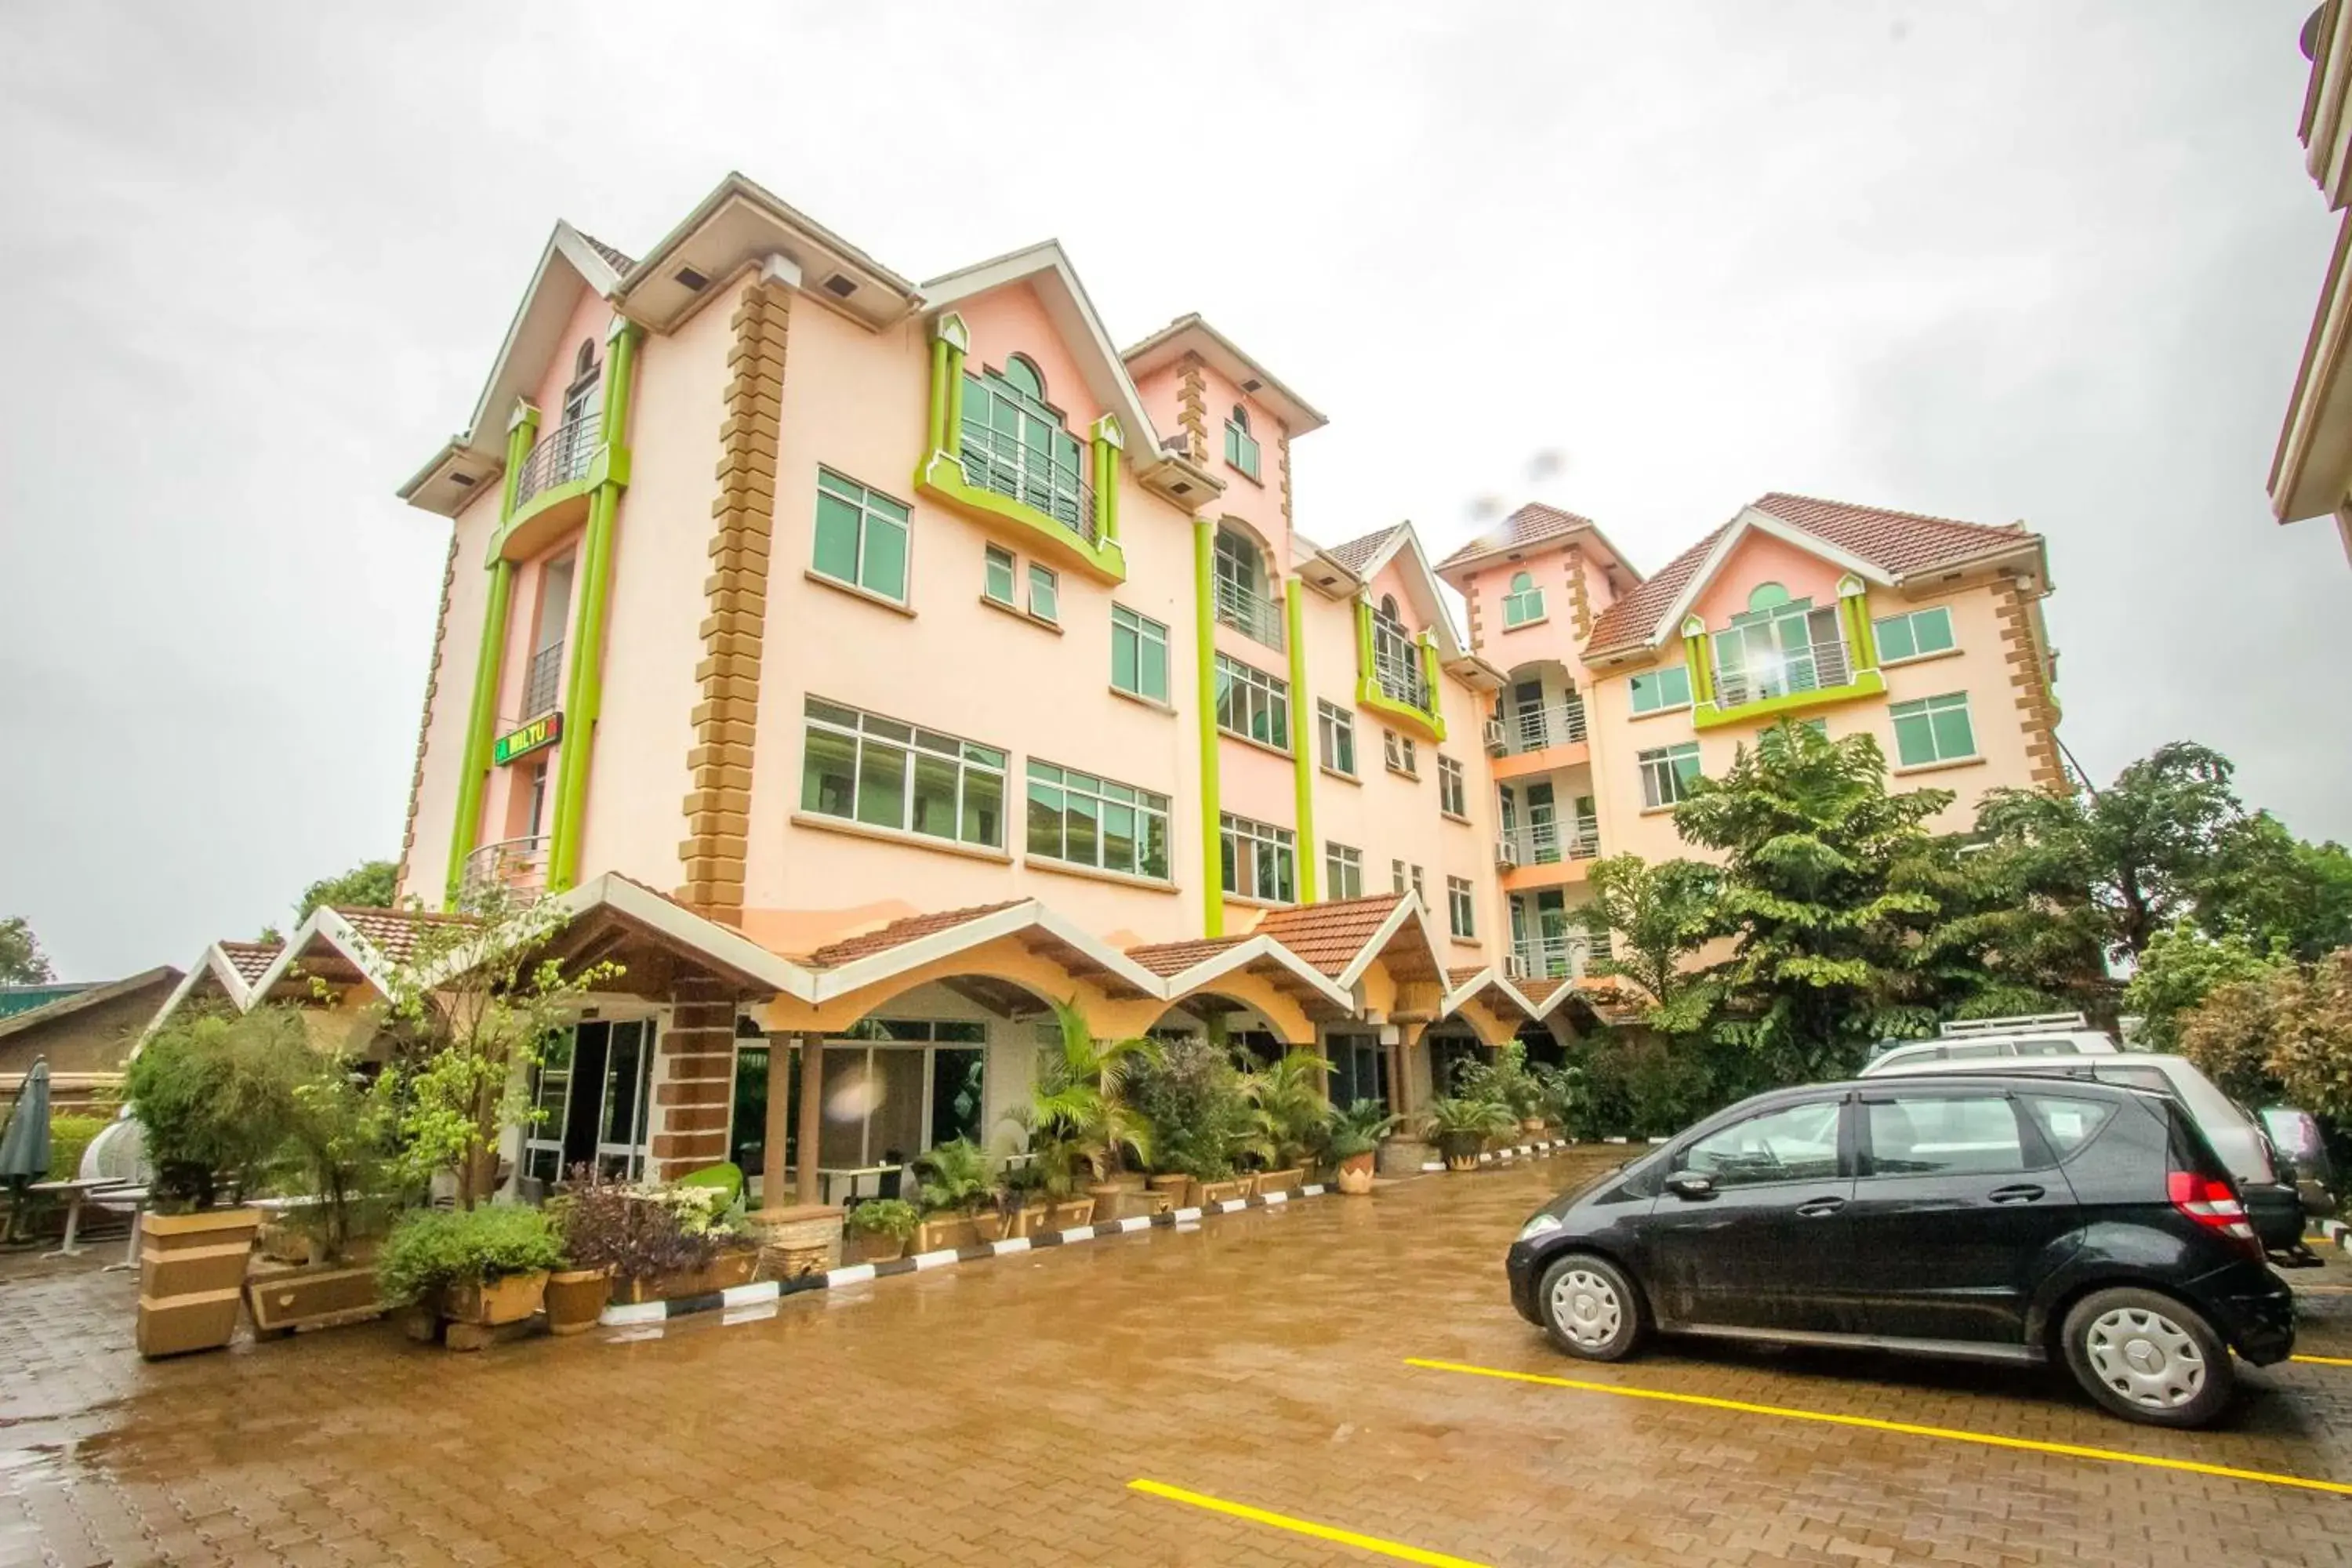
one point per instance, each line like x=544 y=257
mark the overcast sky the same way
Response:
x=2053 y=262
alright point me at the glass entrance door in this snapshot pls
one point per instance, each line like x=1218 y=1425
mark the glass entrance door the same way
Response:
x=590 y=1089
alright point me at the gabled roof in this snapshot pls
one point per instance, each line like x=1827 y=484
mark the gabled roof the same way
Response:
x=619 y=261
x=742 y=221
x=89 y=996
x=1189 y=966
x=1534 y=526
x=1368 y=554
x=1189 y=333
x=898 y=933
x=1365 y=557
x=1876 y=544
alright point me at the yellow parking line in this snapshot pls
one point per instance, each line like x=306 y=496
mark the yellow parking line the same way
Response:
x=2113 y=1456
x=1303 y=1526
x=2322 y=1360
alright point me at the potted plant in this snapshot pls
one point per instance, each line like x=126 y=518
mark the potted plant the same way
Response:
x=598 y=1223
x=1085 y=1098
x=337 y=1147
x=685 y=1240
x=477 y=1269
x=1201 y=1119
x=881 y=1227
x=214 y=1093
x=1287 y=1105
x=1354 y=1138
x=953 y=1178
x=1461 y=1124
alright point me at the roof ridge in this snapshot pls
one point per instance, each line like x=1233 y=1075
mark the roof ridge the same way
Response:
x=2002 y=528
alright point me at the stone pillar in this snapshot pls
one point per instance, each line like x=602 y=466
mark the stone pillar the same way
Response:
x=698 y=1051
x=811 y=1113
x=771 y=1141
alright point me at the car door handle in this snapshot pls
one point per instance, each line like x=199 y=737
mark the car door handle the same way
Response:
x=1816 y=1208
x=2025 y=1193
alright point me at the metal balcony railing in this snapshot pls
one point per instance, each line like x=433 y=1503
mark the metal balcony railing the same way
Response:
x=513 y=867
x=1550 y=724
x=1001 y=461
x=1822 y=664
x=1397 y=669
x=558 y=456
x=1251 y=614
x=538 y=687
x=1568 y=955
x=1549 y=842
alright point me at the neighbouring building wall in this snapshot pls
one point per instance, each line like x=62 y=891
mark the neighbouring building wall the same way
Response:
x=424 y=866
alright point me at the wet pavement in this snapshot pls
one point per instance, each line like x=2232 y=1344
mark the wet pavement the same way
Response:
x=997 y=1413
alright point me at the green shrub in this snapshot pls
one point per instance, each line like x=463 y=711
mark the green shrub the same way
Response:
x=216 y=1095
x=69 y=1135
x=1357 y=1130
x=954 y=1176
x=894 y=1217
x=1198 y=1114
x=431 y=1249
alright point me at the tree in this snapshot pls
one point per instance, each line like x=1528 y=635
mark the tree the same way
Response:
x=2266 y=885
x=2006 y=937
x=2142 y=848
x=2287 y=1035
x=1083 y=1096
x=22 y=961
x=1654 y=917
x=474 y=1011
x=2182 y=967
x=370 y=885
x=1812 y=840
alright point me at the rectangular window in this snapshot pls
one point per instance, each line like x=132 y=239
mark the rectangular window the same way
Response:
x=861 y=536
x=1252 y=704
x=1335 y=731
x=1667 y=774
x=1418 y=890
x=1656 y=691
x=1458 y=910
x=862 y=767
x=1258 y=861
x=1241 y=449
x=1942 y=1135
x=1343 y=868
x=998 y=584
x=1396 y=876
x=1138 y=654
x=1401 y=756
x=1912 y=636
x=1933 y=730
x=1088 y=821
x=1452 y=795
x=1044 y=593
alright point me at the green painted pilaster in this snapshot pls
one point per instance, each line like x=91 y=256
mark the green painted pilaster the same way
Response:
x=1302 y=738
x=1860 y=637
x=584 y=691
x=937 y=411
x=1109 y=440
x=1432 y=675
x=1205 y=632
x=482 y=716
x=1698 y=653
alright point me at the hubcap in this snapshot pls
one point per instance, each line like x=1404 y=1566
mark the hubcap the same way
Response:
x=2146 y=1357
x=1586 y=1308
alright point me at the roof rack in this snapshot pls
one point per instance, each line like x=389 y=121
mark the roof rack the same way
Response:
x=2018 y=1024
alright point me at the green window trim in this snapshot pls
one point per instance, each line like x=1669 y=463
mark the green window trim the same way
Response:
x=1429 y=723
x=1933 y=730
x=1914 y=633
x=1075 y=818
x=1523 y=603
x=1138 y=654
x=860 y=537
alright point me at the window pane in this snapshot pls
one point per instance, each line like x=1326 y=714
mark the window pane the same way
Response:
x=1932 y=629
x=2068 y=1124
x=1953 y=736
x=935 y=796
x=1000 y=576
x=1894 y=640
x=1079 y=816
x=1155 y=667
x=983 y=808
x=1673 y=685
x=882 y=784
x=1928 y=1135
x=829 y=764
x=1044 y=820
x=1118 y=837
x=1798 y=1143
x=1044 y=593
x=1914 y=741
x=837 y=538
x=1227 y=861
x=885 y=558
x=1151 y=855
x=1126 y=662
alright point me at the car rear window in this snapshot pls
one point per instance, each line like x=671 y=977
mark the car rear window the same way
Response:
x=1936 y=1134
x=2066 y=1121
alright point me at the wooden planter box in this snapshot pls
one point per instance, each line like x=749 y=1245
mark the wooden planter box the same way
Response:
x=1289 y=1181
x=191 y=1278
x=799 y=1240
x=1068 y=1215
x=1178 y=1188
x=284 y=1301
x=1207 y=1193
x=942 y=1232
x=488 y=1304
x=874 y=1249
x=731 y=1267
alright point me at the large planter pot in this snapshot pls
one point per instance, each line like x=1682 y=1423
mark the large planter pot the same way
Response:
x=283 y=1301
x=735 y=1266
x=1532 y=1126
x=1460 y=1150
x=1403 y=1156
x=1069 y=1213
x=577 y=1297
x=874 y=1249
x=1286 y=1181
x=492 y=1303
x=942 y=1232
x=1355 y=1174
x=1212 y=1192
x=1178 y=1187
x=190 y=1274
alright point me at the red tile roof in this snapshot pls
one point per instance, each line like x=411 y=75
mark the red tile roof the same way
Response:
x=1167 y=958
x=1357 y=554
x=621 y=263
x=1329 y=936
x=398 y=933
x=1533 y=523
x=1457 y=978
x=898 y=933
x=251 y=960
x=1898 y=543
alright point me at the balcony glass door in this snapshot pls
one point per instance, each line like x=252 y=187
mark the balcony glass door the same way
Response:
x=1543 y=825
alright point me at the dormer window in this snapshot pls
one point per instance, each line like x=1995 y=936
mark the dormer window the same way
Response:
x=1523 y=603
x=1017 y=444
x=1396 y=658
x=1240 y=447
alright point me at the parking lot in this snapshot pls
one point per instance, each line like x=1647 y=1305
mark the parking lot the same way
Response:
x=1271 y=1363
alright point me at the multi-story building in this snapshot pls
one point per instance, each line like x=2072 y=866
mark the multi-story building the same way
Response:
x=868 y=664
x=2311 y=475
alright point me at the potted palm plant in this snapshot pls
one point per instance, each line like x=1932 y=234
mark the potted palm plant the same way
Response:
x=1287 y=1103
x=1084 y=1098
x=954 y=1184
x=1461 y=1124
x=1353 y=1139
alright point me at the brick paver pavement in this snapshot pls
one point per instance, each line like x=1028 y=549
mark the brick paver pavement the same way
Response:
x=994 y=1413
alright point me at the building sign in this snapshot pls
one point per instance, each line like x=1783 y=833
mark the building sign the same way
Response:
x=543 y=730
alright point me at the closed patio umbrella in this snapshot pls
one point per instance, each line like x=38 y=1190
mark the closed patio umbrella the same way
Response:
x=24 y=1145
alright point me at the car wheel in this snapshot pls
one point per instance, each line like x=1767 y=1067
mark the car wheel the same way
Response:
x=2148 y=1358
x=1590 y=1309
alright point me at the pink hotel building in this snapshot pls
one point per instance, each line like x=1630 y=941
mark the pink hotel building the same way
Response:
x=869 y=661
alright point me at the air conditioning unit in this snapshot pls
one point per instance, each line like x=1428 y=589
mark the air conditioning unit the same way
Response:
x=1507 y=853
x=1514 y=967
x=1497 y=742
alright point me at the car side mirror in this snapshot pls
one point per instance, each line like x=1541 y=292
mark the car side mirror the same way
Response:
x=1691 y=1184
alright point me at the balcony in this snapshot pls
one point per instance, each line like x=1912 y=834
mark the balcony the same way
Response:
x=1249 y=612
x=1054 y=487
x=558 y=457
x=1564 y=955
x=1552 y=842
x=539 y=686
x=1398 y=675
x=511 y=871
x=1540 y=727
x=1810 y=675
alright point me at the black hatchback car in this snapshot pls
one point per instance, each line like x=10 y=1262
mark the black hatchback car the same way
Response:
x=1994 y=1218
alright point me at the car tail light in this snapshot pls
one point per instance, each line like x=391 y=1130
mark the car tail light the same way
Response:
x=2212 y=1204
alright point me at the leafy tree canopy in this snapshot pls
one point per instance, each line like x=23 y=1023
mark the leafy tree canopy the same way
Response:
x=1656 y=917
x=2182 y=967
x=22 y=961
x=369 y=885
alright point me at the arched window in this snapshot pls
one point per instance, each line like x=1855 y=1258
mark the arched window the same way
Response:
x=1396 y=660
x=1388 y=612
x=585 y=362
x=1243 y=602
x=580 y=396
x=1767 y=596
x=1523 y=603
x=1017 y=444
x=1240 y=447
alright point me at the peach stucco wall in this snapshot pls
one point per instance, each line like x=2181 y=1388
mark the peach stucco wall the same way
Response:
x=425 y=867
x=1762 y=558
x=591 y=319
x=1010 y=321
